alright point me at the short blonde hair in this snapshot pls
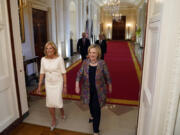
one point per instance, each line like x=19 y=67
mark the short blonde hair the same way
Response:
x=53 y=46
x=98 y=49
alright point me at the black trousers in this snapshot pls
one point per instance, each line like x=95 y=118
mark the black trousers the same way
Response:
x=95 y=110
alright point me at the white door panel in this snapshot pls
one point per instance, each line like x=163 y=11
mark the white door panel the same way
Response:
x=8 y=99
x=156 y=7
x=152 y=58
x=155 y=10
x=4 y=83
x=149 y=78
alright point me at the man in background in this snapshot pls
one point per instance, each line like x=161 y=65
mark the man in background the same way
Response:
x=82 y=46
x=102 y=43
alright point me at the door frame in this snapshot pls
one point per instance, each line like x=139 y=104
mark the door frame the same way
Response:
x=167 y=85
x=16 y=82
x=114 y=21
x=14 y=58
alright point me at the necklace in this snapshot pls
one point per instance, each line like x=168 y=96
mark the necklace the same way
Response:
x=93 y=62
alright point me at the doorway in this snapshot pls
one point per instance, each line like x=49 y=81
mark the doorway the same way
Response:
x=40 y=31
x=118 y=29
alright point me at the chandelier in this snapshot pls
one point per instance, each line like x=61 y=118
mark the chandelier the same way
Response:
x=112 y=7
x=117 y=17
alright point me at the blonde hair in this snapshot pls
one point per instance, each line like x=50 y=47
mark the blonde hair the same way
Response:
x=98 y=49
x=53 y=46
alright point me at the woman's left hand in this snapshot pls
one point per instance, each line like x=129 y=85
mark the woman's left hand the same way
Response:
x=64 y=90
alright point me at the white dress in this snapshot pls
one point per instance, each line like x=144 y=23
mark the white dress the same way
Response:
x=53 y=70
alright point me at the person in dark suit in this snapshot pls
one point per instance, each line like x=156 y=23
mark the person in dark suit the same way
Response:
x=102 y=43
x=82 y=46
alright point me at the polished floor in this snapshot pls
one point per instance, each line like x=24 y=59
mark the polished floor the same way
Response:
x=31 y=129
x=72 y=60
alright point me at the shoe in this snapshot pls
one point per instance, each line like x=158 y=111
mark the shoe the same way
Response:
x=52 y=127
x=90 y=120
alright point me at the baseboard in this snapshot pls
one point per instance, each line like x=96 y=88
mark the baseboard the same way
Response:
x=14 y=124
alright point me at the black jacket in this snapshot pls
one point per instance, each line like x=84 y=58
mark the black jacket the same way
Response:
x=103 y=46
x=83 y=48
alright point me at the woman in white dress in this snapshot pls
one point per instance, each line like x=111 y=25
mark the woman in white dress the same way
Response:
x=53 y=69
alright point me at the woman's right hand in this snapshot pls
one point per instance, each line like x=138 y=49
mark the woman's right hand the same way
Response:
x=38 y=90
x=77 y=89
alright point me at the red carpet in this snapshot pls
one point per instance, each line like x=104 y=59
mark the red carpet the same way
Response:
x=125 y=82
x=122 y=70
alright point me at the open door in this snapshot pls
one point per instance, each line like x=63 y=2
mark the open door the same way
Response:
x=8 y=98
x=161 y=73
x=40 y=31
x=118 y=29
x=150 y=67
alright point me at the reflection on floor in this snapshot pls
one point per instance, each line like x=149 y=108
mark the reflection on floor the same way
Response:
x=138 y=50
x=72 y=60
x=115 y=120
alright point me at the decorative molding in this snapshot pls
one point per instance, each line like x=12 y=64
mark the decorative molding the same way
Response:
x=99 y=2
x=39 y=5
x=147 y=97
x=1 y=26
x=1 y=15
x=174 y=88
x=39 y=2
x=140 y=3
x=155 y=18
x=1 y=20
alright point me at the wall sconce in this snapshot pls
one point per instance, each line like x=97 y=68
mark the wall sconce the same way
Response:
x=128 y=30
x=129 y=25
x=109 y=25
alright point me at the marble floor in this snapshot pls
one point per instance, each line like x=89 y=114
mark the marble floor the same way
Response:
x=72 y=60
x=115 y=119
x=138 y=50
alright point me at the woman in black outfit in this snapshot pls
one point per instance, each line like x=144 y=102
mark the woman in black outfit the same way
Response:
x=94 y=75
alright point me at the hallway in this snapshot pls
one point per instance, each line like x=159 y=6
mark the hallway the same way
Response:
x=116 y=119
x=156 y=46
